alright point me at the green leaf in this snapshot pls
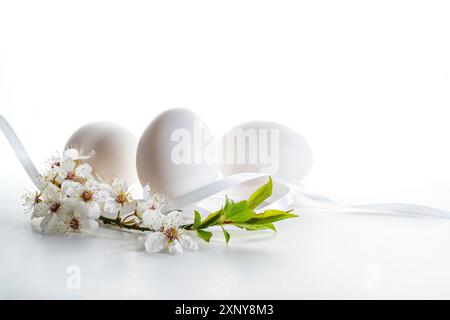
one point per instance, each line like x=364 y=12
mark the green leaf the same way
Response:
x=209 y=221
x=227 y=207
x=197 y=218
x=205 y=235
x=260 y=195
x=228 y=202
x=238 y=212
x=270 y=216
x=226 y=235
x=254 y=227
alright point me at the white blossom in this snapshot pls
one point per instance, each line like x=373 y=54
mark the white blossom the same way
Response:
x=86 y=195
x=117 y=198
x=154 y=219
x=50 y=200
x=168 y=234
x=75 y=155
x=70 y=167
x=71 y=170
x=70 y=200
x=156 y=199
x=152 y=202
x=69 y=218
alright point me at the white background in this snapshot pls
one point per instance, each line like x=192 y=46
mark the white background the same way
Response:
x=366 y=82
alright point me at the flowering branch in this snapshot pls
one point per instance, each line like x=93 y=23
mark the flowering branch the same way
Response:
x=72 y=200
x=240 y=214
x=117 y=222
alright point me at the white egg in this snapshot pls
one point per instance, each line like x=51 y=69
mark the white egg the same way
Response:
x=176 y=153
x=266 y=147
x=115 y=149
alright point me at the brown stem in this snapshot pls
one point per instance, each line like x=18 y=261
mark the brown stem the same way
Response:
x=118 y=223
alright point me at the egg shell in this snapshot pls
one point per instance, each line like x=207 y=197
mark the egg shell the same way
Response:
x=176 y=153
x=276 y=150
x=115 y=149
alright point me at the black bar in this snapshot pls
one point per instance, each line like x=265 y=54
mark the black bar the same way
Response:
x=228 y=309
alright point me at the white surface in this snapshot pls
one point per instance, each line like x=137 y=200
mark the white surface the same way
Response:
x=318 y=256
x=367 y=83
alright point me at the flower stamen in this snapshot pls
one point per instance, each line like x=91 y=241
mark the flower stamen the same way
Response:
x=74 y=224
x=55 y=182
x=37 y=198
x=122 y=198
x=87 y=196
x=54 y=207
x=55 y=164
x=71 y=175
x=171 y=233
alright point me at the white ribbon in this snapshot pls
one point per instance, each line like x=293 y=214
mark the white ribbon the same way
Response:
x=404 y=209
x=20 y=151
x=283 y=200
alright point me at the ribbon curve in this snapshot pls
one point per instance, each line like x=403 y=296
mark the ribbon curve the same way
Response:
x=282 y=201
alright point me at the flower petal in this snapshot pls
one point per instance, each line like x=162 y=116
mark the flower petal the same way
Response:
x=66 y=165
x=42 y=183
x=54 y=224
x=111 y=208
x=159 y=200
x=40 y=209
x=92 y=186
x=50 y=192
x=104 y=193
x=155 y=242
x=71 y=188
x=175 y=247
x=86 y=156
x=141 y=208
x=61 y=177
x=119 y=185
x=153 y=219
x=88 y=224
x=188 y=242
x=45 y=222
x=174 y=219
x=83 y=171
x=94 y=210
x=72 y=154
x=147 y=193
